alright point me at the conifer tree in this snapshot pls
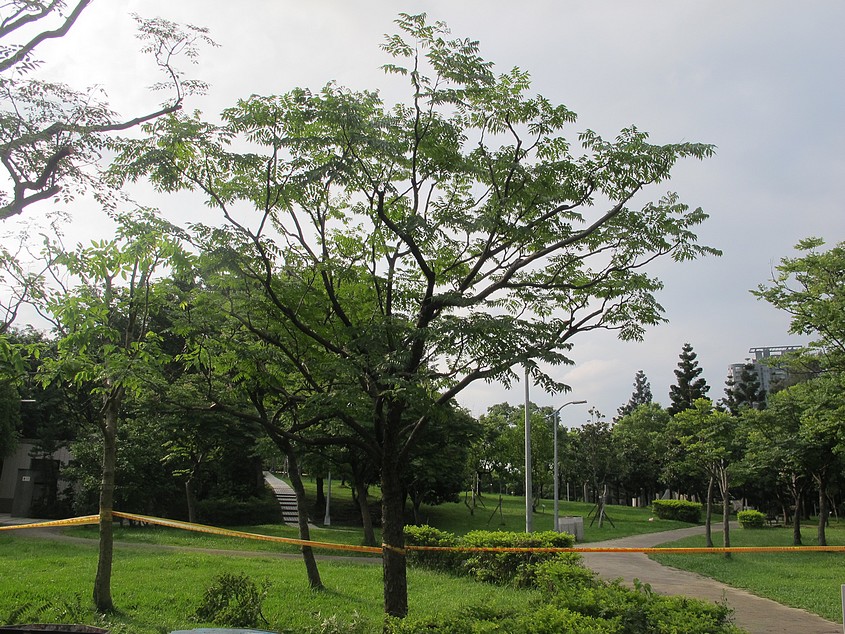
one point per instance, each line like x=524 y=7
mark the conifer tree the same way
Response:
x=746 y=392
x=641 y=396
x=689 y=386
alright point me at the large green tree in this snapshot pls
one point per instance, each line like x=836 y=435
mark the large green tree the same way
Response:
x=641 y=445
x=412 y=250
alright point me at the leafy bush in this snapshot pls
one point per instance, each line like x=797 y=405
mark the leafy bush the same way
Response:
x=603 y=609
x=233 y=601
x=680 y=510
x=751 y=519
x=565 y=574
x=641 y=610
x=517 y=568
x=533 y=619
x=572 y=598
x=447 y=561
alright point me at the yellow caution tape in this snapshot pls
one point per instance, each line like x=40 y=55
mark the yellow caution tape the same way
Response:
x=213 y=530
x=73 y=521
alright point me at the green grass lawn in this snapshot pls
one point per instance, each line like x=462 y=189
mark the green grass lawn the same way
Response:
x=809 y=580
x=453 y=517
x=179 y=537
x=458 y=518
x=158 y=591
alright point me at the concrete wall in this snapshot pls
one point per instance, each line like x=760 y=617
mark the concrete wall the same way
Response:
x=19 y=482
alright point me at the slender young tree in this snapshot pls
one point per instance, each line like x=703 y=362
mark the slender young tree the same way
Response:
x=710 y=439
x=102 y=308
x=689 y=385
x=421 y=247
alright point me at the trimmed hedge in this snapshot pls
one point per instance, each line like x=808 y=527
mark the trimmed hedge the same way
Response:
x=518 y=569
x=680 y=510
x=751 y=519
x=433 y=560
x=515 y=568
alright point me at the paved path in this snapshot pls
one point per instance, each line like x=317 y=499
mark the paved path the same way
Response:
x=755 y=614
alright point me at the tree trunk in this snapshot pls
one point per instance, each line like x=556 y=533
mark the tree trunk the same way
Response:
x=708 y=514
x=726 y=511
x=302 y=516
x=823 y=510
x=392 y=528
x=366 y=518
x=602 y=500
x=191 y=499
x=102 y=582
x=416 y=503
x=796 y=515
x=320 y=504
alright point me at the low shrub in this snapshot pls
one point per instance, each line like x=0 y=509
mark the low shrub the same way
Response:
x=572 y=598
x=516 y=568
x=533 y=619
x=751 y=519
x=233 y=601
x=448 y=561
x=680 y=510
x=565 y=574
x=600 y=609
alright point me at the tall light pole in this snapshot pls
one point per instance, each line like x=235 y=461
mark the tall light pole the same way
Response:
x=529 y=520
x=556 y=420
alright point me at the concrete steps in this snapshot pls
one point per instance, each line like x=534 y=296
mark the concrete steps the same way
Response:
x=285 y=497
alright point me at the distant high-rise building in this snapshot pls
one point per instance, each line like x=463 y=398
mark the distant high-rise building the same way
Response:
x=768 y=372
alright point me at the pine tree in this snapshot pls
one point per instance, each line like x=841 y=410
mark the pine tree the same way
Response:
x=689 y=386
x=746 y=392
x=641 y=395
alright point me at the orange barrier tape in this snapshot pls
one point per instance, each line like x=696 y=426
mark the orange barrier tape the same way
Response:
x=73 y=521
x=213 y=530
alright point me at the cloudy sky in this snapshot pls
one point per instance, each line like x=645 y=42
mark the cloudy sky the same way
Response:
x=763 y=80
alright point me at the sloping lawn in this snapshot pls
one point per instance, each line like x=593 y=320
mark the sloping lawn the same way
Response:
x=808 y=580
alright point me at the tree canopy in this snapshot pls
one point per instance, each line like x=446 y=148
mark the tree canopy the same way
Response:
x=809 y=288
x=408 y=251
x=51 y=133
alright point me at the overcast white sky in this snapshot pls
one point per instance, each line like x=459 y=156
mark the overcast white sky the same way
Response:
x=761 y=79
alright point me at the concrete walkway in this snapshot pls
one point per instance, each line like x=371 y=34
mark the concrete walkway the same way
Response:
x=752 y=613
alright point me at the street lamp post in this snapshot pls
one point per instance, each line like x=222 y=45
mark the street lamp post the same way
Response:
x=556 y=420
x=529 y=520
